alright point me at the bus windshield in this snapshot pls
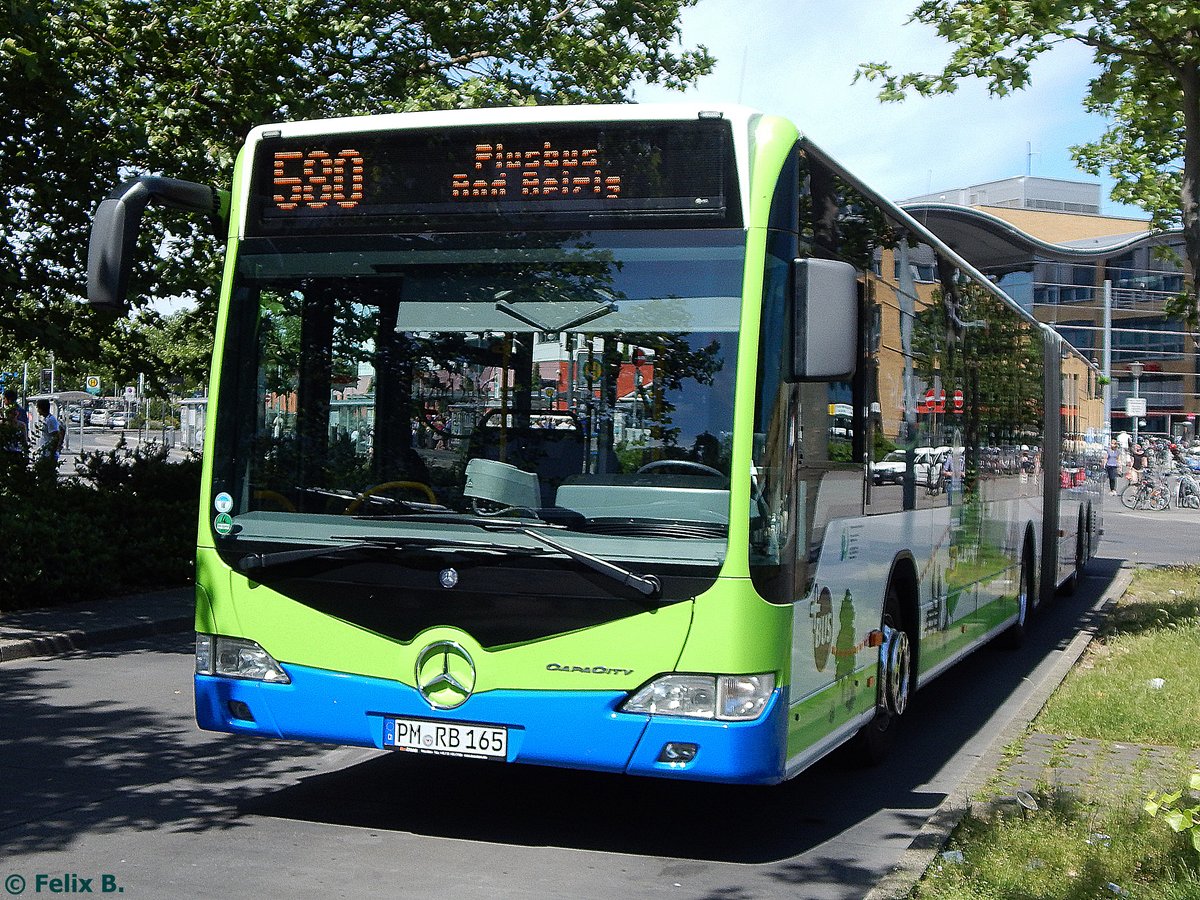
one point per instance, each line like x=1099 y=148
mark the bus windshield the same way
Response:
x=583 y=380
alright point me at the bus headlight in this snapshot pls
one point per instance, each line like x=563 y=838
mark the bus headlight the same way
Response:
x=204 y=654
x=236 y=658
x=728 y=698
x=743 y=697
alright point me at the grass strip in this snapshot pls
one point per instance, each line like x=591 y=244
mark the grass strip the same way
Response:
x=1133 y=704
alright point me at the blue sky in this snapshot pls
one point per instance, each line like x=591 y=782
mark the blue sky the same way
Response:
x=797 y=58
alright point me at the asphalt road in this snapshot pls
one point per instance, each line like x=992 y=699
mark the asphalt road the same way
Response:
x=105 y=774
x=104 y=439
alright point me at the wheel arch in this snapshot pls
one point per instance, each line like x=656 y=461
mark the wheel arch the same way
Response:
x=1029 y=556
x=904 y=580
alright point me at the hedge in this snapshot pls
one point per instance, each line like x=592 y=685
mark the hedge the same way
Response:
x=125 y=522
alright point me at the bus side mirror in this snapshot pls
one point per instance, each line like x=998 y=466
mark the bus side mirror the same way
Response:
x=115 y=229
x=825 y=320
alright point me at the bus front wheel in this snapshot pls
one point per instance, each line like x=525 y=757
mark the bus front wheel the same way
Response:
x=874 y=740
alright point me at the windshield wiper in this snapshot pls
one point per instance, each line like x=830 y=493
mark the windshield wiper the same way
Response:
x=646 y=585
x=457 y=518
x=256 y=561
x=252 y=561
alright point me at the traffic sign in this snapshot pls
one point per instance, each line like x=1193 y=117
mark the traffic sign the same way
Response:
x=130 y=392
x=1135 y=406
x=92 y=385
x=958 y=401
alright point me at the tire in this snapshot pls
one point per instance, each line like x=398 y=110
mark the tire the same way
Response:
x=1014 y=636
x=1071 y=585
x=1129 y=496
x=871 y=745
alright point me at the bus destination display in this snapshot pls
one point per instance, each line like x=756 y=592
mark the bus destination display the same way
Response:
x=550 y=173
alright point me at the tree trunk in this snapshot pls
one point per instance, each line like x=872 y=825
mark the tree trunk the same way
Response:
x=1189 y=199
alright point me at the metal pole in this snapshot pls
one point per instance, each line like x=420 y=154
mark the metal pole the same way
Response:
x=1136 y=379
x=1136 y=370
x=1108 y=392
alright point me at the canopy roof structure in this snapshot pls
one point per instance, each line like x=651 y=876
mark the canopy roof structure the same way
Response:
x=989 y=241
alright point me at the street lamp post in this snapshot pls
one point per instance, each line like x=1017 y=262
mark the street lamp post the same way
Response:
x=1135 y=372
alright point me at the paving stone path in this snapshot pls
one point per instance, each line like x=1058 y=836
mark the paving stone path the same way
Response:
x=1091 y=769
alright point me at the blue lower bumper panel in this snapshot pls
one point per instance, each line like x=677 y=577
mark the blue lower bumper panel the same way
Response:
x=573 y=729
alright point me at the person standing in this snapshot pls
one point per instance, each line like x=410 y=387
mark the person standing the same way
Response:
x=52 y=432
x=1138 y=454
x=15 y=426
x=1111 y=463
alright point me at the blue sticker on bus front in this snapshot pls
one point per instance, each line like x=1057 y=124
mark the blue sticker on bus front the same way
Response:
x=223 y=503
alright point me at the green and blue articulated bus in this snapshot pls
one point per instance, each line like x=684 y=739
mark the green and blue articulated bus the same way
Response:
x=547 y=435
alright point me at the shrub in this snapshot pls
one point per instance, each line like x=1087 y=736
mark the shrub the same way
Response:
x=127 y=521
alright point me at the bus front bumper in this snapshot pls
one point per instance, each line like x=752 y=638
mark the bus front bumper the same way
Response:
x=572 y=729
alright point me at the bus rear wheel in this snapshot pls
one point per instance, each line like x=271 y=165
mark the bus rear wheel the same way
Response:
x=1014 y=635
x=1071 y=585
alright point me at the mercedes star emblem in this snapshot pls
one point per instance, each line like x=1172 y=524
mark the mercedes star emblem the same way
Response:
x=445 y=675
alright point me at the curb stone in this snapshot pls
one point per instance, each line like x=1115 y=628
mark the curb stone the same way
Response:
x=78 y=639
x=923 y=850
x=52 y=631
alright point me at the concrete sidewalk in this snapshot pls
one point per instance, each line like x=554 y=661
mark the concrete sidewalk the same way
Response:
x=45 y=632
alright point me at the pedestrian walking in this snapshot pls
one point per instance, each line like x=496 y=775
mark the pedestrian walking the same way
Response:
x=953 y=469
x=1112 y=463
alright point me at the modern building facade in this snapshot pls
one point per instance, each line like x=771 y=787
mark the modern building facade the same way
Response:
x=1044 y=241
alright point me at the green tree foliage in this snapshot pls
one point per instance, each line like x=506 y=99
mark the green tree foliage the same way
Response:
x=1148 y=86
x=94 y=91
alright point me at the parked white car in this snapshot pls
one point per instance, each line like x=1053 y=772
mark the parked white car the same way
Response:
x=926 y=461
x=890 y=469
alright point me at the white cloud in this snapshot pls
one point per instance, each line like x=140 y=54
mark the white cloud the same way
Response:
x=797 y=58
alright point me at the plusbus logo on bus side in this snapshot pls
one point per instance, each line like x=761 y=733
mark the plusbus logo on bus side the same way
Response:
x=822 y=629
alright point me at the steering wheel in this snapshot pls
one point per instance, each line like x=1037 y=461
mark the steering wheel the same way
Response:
x=277 y=498
x=680 y=464
x=387 y=486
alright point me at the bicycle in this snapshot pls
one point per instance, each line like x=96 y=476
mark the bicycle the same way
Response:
x=1187 y=491
x=1148 y=493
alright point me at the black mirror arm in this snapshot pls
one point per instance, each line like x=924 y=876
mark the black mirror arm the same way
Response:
x=118 y=218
